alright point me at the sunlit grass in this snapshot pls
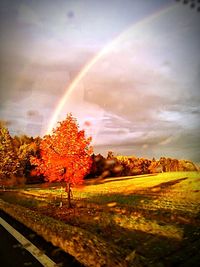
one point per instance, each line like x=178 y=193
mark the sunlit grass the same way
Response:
x=125 y=190
x=158 y=209
x=175 y=191
x=149 y=226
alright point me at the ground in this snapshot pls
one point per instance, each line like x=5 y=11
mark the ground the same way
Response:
x=147 y=220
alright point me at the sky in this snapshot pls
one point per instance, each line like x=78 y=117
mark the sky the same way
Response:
x=136 y=65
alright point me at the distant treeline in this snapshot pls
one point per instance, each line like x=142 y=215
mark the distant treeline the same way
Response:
x=114 y=166
x=15 y=166
x=15 y=154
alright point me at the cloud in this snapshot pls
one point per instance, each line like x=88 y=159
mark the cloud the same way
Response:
x=142 y=94
x=27 y=15
x=182 y=146
x=116 y=130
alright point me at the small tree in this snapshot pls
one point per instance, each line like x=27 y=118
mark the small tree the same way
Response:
x=65 y=155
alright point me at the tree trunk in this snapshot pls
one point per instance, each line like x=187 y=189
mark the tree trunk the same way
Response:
x=68 y=190
x=61 y=201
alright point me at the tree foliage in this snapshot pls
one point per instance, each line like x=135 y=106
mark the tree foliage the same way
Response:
x=9 y=162
x=65 y=155
x=27 y=148
x=114 y=166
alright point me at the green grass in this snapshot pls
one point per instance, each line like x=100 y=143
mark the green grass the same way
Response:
x=175 y=191
x=152 y=214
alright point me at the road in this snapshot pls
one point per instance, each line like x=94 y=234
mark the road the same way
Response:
x=12 y=253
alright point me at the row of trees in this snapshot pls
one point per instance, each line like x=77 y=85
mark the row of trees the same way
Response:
x=114 y=166
x=15 y=154
x=66 y=155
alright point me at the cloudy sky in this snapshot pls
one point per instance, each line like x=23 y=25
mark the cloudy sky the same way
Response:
x=128 y=70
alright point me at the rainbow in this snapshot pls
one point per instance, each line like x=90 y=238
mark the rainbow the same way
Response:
x=95 y=59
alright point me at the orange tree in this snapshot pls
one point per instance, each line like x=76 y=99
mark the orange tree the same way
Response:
x=65 y=155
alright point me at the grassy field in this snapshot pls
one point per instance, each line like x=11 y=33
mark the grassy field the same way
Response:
x=152 y=220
